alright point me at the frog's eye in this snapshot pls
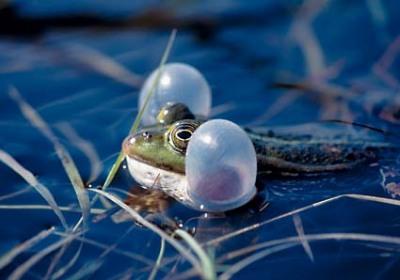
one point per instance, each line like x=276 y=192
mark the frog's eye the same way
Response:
x=180 y=134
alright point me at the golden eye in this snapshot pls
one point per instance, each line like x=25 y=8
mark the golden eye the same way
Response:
x=180 y=134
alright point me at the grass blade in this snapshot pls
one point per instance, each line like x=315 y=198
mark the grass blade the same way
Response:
x=206 y=262
x=277 y=245
x=136 y=123
x=154 y=86
x=23 y=268
x=70 y=168
x=55 y=261
x=86 y=147
x=91 y=267
x=181 y=249
x=95 y=211
x=154 y=271
x=14 y=194
x=298 y=224
x=104 y=65
x=8 y=160
x=371 y=198
x=88 y=269
x=13 y=253
x=128 y=254
x=60 y=272
x=229 y=273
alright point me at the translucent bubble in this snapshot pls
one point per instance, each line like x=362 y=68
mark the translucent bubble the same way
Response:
x=221 y=167
x=178 y=83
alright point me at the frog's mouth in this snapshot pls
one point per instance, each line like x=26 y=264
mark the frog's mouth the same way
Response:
x=152 y=152
x=150 y=164
x=151 y=177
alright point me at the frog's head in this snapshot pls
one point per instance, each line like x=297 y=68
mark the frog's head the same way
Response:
x=159 y=150
x=174 y=111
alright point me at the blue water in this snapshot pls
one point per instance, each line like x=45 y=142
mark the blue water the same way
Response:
x=345 y=53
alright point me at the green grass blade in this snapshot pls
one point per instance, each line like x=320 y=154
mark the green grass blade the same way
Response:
x=138 y=118
x=164 y=58
x=114 y=169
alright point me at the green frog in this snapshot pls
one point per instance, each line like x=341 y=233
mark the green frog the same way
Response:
x=156 y=154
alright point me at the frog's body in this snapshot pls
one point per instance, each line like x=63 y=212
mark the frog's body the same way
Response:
x=155 y=162
x=307 y=152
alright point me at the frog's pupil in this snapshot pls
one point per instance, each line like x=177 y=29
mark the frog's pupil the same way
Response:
x=184 y=134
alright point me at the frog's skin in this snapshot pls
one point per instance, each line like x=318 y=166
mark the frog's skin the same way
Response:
x=313 y=148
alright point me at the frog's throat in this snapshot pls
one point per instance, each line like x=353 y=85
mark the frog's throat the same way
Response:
x=151 y=177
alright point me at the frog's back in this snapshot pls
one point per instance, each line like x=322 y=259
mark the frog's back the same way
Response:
x=313 y=148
